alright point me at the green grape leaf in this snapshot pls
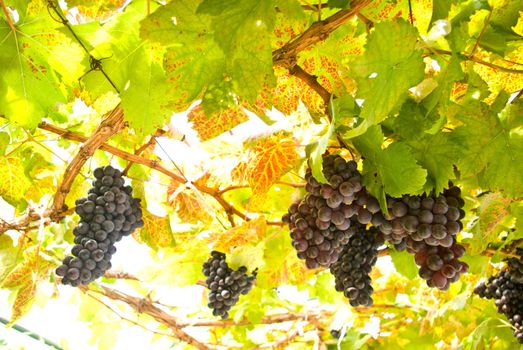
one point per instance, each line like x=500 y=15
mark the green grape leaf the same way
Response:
x=404 y=264
x=29 y=87
x=392 y=170
x=438 y=154
x=13 y=182
x=491 y=150
x=144 y=101
x=242 y=30
x=440 y=97
x=440 y=10
x=390 y=66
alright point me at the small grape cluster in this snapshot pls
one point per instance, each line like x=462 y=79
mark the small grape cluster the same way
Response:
x=225 y=284
x=351 y=271
x=107 y=214
x=434 y=220
x=440 y=266
x=320 y=223
x=506 y=287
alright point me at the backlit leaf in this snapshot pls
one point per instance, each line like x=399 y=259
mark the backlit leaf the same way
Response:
x=268 y=161
x=248 y=233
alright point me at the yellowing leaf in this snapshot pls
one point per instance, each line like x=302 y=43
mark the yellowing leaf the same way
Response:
x=25 y=277
x=23 y=302
x=189 y=206
x=209 y=127
x=156 y=231
x=13 y=182
x=269 y=160
x=249 y=233
x=493 y=209
x=284 y=266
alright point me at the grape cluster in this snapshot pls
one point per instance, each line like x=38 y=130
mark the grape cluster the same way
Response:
x=107 y=214
x=225 y=284
x=439 y=266
x=506 y=288
x=320 y=223
x=434 y=220
x=351 y=271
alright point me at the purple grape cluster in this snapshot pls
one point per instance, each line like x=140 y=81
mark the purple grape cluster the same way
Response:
x=320 y=223
x=439 y=266
x=434 y=220
x=107 y=214
x=225 y=284
x=506 y=287
x=351 y=271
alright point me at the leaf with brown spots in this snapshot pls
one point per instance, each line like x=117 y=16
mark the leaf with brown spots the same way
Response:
x=285 y=267
x=269 y=160
x=156 y=231
x=25 y=277
x=211 y=126
x=189 y=205
x=97 y=9
x=249 y=233
x=13 y=182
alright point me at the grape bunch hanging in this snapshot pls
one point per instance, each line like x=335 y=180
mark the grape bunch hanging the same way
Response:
x=506 y=287
x=107 y=214
x=225 y=284
x=325 y=223
x=351 y=271
x=320 y=223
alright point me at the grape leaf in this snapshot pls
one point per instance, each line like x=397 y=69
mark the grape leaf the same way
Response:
x=440 y=10
x=29 y=87
x=248 y=233
x=143 y=101
x=284 y=267
x=437 y=154
x=269 y=160
x=189 y=206
x=392 y=170
x=24 y=278
x=451 y=73
x=156 y=231
x=492 y=151
x=390 y=66
x=217 y=123
x=242 y=30
x=96 y=9
x=404 y=264
x=13 y=182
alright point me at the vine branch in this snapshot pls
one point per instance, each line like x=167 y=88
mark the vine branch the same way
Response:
x=110 y=125
x=146 y=306
x=8 y=16
x=318 y=31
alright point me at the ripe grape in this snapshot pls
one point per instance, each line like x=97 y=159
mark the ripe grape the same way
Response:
x=225 y=284
x=506 y=287
x=351 y=271
x=98 y=222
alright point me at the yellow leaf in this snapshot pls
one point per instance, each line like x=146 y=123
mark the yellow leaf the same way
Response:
x=13 y=182
x=492 y=210
x=189 y=206
x=249 y=233
x=156 y=231
x=30 y=270
x=23 y=302
x=209 y=127
x=269 y=160
x=25 y=277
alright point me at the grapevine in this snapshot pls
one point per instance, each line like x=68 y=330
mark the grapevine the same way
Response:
x=506 y=287
x=225 y=284
x=107 y=214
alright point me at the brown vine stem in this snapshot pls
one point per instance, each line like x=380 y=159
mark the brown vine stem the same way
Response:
x=8 y=16
x=312 y=81
x=318 y=31
x=109 y=126
x=153 y=165
x=482 y=62
x=145 y=306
